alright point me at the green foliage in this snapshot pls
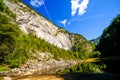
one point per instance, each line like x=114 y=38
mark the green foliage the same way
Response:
x=9 y=13
x=4 y=10
x=1 y=5
x=12 y=48
x=60 y=30
x=43 y=46
x=109 y=45
x=15 y=1
x=83 y=49
x=4 y=68
x=86 y=67
x=3 y=19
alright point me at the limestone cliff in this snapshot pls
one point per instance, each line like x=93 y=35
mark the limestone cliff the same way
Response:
x=35 y=53
x=31 y=22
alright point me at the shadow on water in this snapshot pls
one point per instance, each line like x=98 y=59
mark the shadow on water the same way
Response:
x=90 y=76
x=71 y=76
x=112 y=64
x=112 y=71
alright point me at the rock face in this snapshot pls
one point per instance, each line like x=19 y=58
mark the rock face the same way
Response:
x=31 y=22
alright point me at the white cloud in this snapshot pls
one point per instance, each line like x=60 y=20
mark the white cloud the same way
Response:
x=80 y=6
x=63 y=22
x=36 y=3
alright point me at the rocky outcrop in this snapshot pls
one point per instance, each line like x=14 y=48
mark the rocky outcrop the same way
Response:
x=42 y=64
x=42 y=67
x=31 y=22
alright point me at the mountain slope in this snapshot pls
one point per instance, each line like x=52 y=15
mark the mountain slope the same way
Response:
x=29 y=41
x=31 y=22
x=109 y=45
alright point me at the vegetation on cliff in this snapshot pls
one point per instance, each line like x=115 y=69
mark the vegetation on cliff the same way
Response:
x=16 y=47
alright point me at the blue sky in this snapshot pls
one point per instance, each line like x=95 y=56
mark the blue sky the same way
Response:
x=85 y=17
